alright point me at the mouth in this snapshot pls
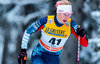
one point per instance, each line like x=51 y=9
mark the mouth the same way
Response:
x=64 y=20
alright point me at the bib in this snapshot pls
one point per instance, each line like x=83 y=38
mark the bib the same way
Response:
x=54 y=37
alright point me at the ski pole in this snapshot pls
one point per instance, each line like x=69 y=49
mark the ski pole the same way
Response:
x=21 y=61
x=78 y=56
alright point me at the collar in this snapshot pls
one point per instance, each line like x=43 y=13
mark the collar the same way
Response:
x=57 y=21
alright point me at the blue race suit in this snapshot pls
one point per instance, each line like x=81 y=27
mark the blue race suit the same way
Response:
x=40 y=54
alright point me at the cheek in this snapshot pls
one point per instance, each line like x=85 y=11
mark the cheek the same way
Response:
x=61 y=17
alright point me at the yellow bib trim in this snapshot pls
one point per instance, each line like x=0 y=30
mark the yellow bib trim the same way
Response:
x=52 y=30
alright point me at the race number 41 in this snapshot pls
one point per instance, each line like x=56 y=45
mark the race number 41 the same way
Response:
x=53 y=40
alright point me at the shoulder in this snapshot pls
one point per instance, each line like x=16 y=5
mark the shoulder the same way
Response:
x=42 y=20
x=74 y=24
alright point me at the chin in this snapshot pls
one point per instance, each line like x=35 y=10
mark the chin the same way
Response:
x=63 y=22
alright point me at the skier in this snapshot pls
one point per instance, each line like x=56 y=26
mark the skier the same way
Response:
x=55 y=30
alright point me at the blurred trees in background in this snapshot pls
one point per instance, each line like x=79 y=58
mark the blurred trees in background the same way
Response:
x=17 y=15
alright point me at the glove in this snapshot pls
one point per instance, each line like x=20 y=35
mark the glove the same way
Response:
x=22 y=57
x=81 y=32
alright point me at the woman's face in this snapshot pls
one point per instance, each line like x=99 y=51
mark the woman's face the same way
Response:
x=63 y=17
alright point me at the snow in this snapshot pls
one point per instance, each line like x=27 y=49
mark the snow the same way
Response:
x=94 y=40
x=1 y=44
x=17 y=19
x=89 y=54
x=86 y=7
x=6 y=2
x=13 y=41
x=96 y=16
x=33 y=15
x=20 y=2
x=14 y=14
x=85 y=24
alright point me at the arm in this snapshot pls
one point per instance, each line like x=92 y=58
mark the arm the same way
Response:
x=83 y=38
x=36 y=26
